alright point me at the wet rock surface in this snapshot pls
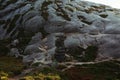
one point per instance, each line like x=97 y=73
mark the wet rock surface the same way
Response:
x=35 y=24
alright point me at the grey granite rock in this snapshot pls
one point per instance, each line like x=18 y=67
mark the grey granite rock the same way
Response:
x=35 y=24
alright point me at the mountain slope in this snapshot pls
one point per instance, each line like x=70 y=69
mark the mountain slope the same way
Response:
x=26 y=25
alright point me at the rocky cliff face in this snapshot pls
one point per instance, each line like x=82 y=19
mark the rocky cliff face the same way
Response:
x=28 y=28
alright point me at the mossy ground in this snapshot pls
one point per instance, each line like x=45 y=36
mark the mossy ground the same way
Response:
x=46 y=73
x=12 y=66
x=3 y=75
x=42 y=76
x=109 y=70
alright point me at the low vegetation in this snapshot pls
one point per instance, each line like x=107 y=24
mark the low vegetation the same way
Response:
x=3 y=75
x=12 y=66
x=41 y=76
x=108 y=70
